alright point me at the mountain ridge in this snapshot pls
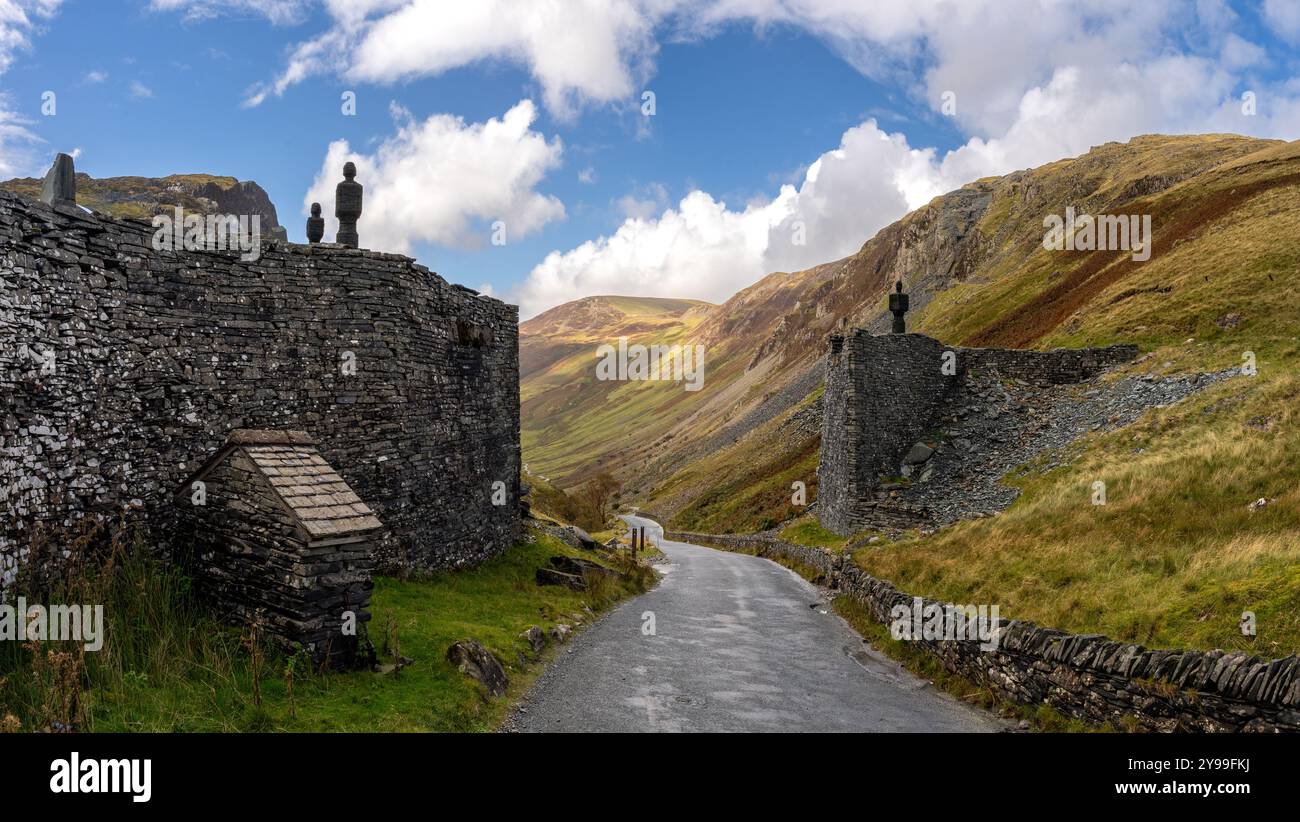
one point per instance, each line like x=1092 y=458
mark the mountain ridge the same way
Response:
x=973 y=264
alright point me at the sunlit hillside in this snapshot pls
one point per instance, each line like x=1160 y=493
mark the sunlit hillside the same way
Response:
x=1177 y=555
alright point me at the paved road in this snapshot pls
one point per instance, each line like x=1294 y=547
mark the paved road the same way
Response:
x=736 y=648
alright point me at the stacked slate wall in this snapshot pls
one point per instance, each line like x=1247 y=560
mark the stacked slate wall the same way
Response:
x=122 y=368
x=884 y=392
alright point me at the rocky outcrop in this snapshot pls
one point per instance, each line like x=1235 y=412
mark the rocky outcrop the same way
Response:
x=143 y=197
x=1087 y=676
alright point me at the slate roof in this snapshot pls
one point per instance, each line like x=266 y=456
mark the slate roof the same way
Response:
x=323 y=503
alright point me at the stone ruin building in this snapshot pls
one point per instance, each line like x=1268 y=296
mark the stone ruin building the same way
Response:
x=276 y=537
x=124 y=368
x=885 y=392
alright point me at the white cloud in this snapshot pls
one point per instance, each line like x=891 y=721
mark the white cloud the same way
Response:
x=578 y=50
x=19 y=20
x=643 y=203
x=432 y=180
x=700 y=248
x=96 y=76
x=587 y=176
x=1283 y=16
x=192 y=11
x=139 y=91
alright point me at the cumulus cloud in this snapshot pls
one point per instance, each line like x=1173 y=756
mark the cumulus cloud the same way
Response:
x=578 y=50
x=699 y=248
x=433 y=179
x=1056 y=89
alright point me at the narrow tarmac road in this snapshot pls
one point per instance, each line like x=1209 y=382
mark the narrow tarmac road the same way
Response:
x=736 y=647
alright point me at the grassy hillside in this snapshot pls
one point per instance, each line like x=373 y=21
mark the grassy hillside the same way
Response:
x=1176 y=555
x=573 y=424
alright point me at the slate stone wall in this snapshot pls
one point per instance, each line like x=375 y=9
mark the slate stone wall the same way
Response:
x=1087 y=676
x=881 y=393
x=1055 y=367
x=156 y=355
x=884 y=392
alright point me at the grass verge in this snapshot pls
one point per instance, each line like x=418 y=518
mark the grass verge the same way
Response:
x=166 y=666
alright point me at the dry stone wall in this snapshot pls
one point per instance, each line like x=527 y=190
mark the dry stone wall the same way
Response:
x=1087 y=676
x=883 y=392
x=122 y=368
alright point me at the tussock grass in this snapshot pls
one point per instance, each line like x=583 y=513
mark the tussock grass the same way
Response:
x=1173 y=557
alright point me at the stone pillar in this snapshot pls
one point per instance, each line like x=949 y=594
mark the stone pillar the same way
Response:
x=315 y=225
x=347 y=206
x=898 y=307
x=60 y=185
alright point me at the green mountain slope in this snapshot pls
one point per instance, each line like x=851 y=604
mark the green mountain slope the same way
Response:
x=1177 y=555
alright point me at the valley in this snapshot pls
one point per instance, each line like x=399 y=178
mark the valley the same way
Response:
x=1175 y=555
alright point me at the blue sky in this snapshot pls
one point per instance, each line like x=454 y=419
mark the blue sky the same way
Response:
x=816 y=123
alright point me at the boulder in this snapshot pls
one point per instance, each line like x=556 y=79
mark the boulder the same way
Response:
x=477 y=662
x=919 y=454
x=535 y=638
x=561 y=633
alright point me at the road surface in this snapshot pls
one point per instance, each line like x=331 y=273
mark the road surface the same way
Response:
x=736 y=647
